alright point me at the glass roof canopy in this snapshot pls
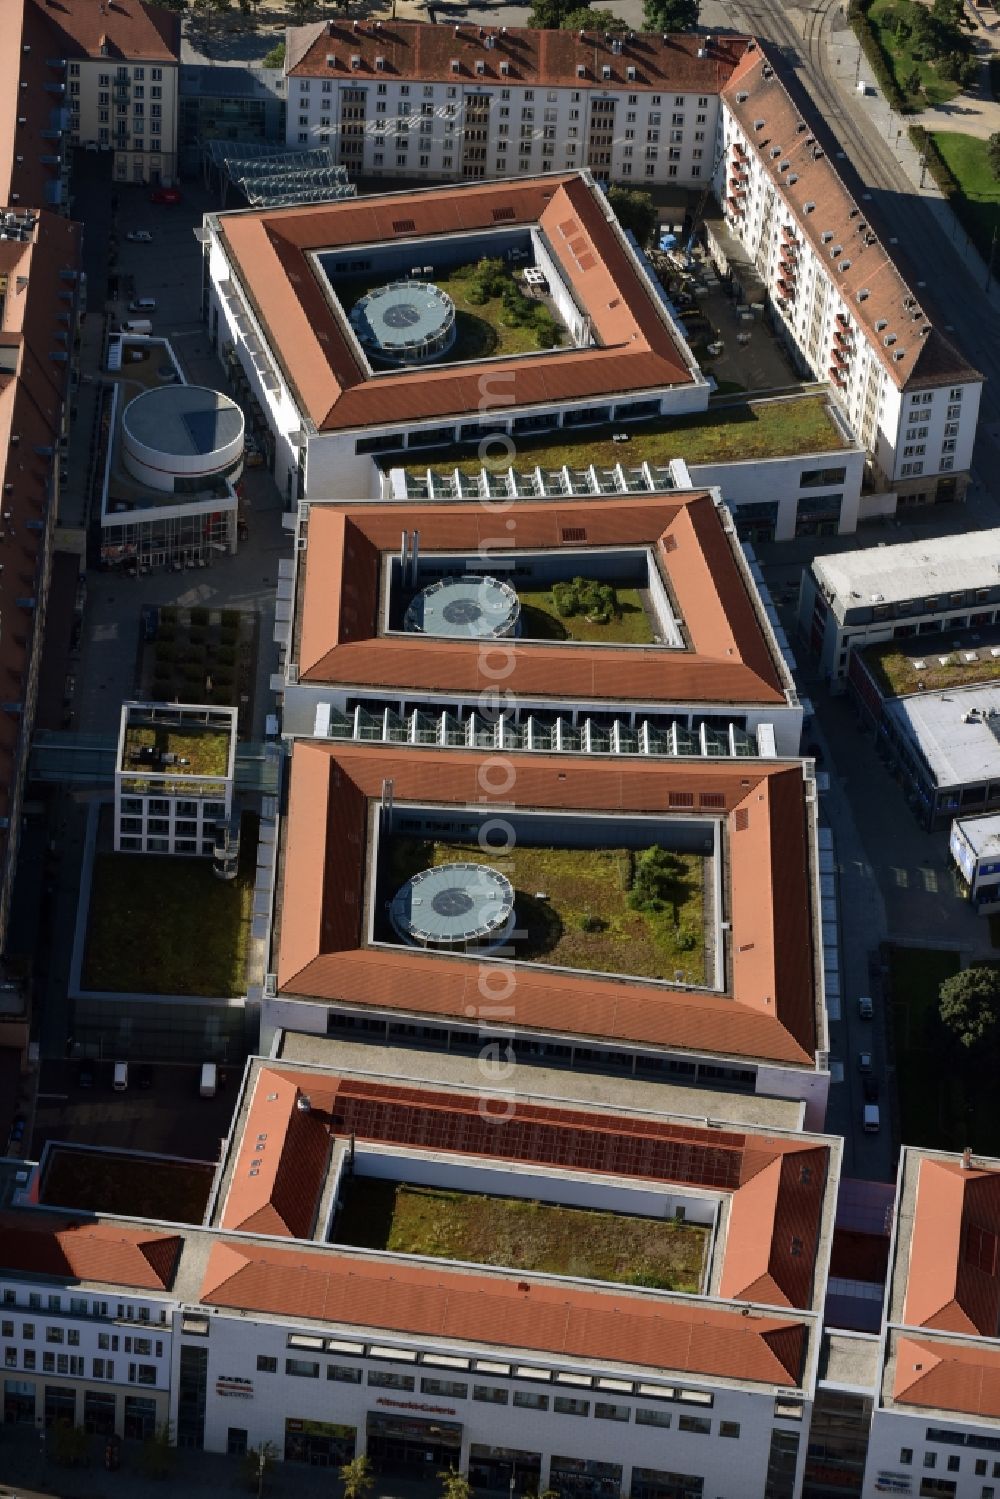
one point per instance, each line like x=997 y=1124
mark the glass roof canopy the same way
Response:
x=269 y=175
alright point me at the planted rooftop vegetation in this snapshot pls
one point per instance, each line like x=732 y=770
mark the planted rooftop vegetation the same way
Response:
x=603 y=910
x=522 y=1235
x=494 y=316
x=99 y=1181
x=944 y=665
x=723 y=434
x=187 y=751
x=162 y=925
x=582 y=609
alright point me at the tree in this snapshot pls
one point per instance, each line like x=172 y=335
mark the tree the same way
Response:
x=158 y=1452
x=357 y=1478
x=969 y=1006
x=670 y=15
x=584 y=19
x=993 y=149
x=454 y=1485
x=657 y=873
x=276 y=57
x=912 y=83
x=548 y=15
x=68 y=1447
x=634 y=210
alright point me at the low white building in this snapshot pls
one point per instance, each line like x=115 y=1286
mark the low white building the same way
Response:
x=849 y=600
x=974 y=843
x=173 y=777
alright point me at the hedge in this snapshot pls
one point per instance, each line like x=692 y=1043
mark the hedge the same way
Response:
x=939 y=169
x=857 y=14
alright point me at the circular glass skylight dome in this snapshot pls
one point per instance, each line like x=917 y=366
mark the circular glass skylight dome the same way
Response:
x=454 y=907
x=472 y=607
x=405 y=322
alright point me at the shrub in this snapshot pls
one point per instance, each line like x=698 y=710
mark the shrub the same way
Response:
x=589 y=923
x=597 y=601
x=168 y=614
x=199 y=615
x=165 y=654
x=857 y=14
x=686 y=938
x=475 y=294
x=656 y=873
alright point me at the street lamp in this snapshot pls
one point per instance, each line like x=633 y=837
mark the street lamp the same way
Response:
x=261 y=1465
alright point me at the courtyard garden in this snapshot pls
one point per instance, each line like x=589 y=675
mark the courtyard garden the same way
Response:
x=944 y=666
x=164 y=925
x=604 y=910
x=582 y=609
x=202 y=655
x=522 y=1235
x=101 y=1182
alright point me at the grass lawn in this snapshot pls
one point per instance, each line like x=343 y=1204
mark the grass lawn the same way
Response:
x=944 y=1100
x=978 y=206
x=727 y=434
x=522 y=1235
x=163 y=925
x=107 y=1183
x=883 y=15
x=206 y=750
x=893 y=669
x=581 y=884
x=541 y=621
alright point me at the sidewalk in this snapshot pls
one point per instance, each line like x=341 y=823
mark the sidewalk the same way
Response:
x=199 y=1475
x=846 y=66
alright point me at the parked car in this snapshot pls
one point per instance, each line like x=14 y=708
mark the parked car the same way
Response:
x=119 y=1079
x=865 y=1006
x=139 y=237
x=870 y=1118
x=150 y=622
x=144 y=1076
x=869 y=1089
x=142 y=304
x=165 y=195
x=85 y=1074
x=864 y=1061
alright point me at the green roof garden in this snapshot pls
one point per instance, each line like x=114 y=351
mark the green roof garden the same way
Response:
x=742 y=431
x=187 y=750
x=944 y=663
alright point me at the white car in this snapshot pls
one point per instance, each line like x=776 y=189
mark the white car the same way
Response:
x=140 y=236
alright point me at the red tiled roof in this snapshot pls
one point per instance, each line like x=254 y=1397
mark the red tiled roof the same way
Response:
x=947 y=1376
x=129 y=29
x=424 y=51
x=498 y=1310
x=953 y=1277
x=729 y=659
x=770 y=1011
x=756 y=91
x=776 y=1185
x=269 y=252
x=109 y=1253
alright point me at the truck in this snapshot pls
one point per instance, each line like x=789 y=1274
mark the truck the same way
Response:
x=870 y=1117
x=136 y=325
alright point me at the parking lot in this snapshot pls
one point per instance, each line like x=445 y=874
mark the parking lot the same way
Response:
x=168 y=1118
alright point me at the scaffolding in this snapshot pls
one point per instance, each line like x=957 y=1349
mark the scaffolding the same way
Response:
x=269 y=175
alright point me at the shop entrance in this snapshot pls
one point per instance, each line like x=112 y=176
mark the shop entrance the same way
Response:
x=60 y=1406
x=405 y=1445
x=140 y=1418
x=583 y=1478
x=504 y=1469
x=651 y=1483
x=98 y=1412
x=321 y=1444
x=18 y=1402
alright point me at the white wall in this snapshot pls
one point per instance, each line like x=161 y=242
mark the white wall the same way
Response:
x=768 y=479
x=812 y=1087
x=892 y=1431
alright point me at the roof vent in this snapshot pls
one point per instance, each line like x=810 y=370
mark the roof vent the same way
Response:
x=793 y=178
x=303 y=1103
x=774 y=151
x=380 y=64
x=925 y=330
x=889 y=340
x=630 y=74
x=826 y=236
x=480 y=66
x=581 y=71
x=455 y=65
x=783 y=166
x=355 y=59
x=759 y=124
x=881 y=323
x=845 y=265
x=967 y=1158
x=808 y=207
x=742 y=97
x=899 y=354
x=331 y=59
x=606 y=71
x=505 y=68
x=864 y=294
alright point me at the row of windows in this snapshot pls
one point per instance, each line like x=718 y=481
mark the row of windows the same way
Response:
x=953 y=1462
x=70 y=1336
x=80 y=1306
x=74 y=1365
x=551 y=97
x=122 y=75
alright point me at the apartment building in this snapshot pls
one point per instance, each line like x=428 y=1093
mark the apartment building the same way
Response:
x=34 y=111
x=947 y=585
x=839 y=300
x=409 y=99
x=40 y=302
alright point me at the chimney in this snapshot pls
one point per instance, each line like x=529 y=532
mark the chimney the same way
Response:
x=303 y=1103
x=967 y=1158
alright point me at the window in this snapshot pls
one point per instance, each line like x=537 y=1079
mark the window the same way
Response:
x=302 y=1368
x=342 y=1374
x=729 y=1428
x=954 y=1463
x=930 y=1459
x=53 y=1335
x=906 y=1456
x=565 y=1405
x=605 y=1412
x=383 y=1379
x=529 y=1400
x=453 y=1388
x=266 y=1364
x=490 y=1393
x=645 y=1417
x=696 y=1424
x=6 y=1329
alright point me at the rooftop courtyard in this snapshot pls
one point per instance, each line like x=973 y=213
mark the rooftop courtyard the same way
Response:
x=730 y=433
x=522 y=1234
x=180 y=751
x=934 y=662
x=600 y=909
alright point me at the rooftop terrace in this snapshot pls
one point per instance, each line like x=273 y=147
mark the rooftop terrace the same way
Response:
x=185 y=750
x=729 y=433
x=932 y=663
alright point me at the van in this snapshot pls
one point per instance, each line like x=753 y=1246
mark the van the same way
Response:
x=209 y=1078
x=142 y=304
x=870 y=1118
x=865 y=1006
x=119 y=1080
x=136 y=325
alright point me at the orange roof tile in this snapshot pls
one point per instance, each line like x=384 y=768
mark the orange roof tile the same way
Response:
x=353 y=1291
x=953 y=1278
x=777 y=1185
x=729 y=660
x=802 y=173
x=947 y=1376
x=269 y=252
x=127 y=28
x=421 y=50
x=86 y=1249
x=771 y=1009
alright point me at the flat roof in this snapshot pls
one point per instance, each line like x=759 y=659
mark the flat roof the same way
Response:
x=909 y=570
x=731 y=656
x=982 y=834
x=187 y=421
x=929 y=662
x=774 y=1005
x=638 y=346
x=957 y=732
